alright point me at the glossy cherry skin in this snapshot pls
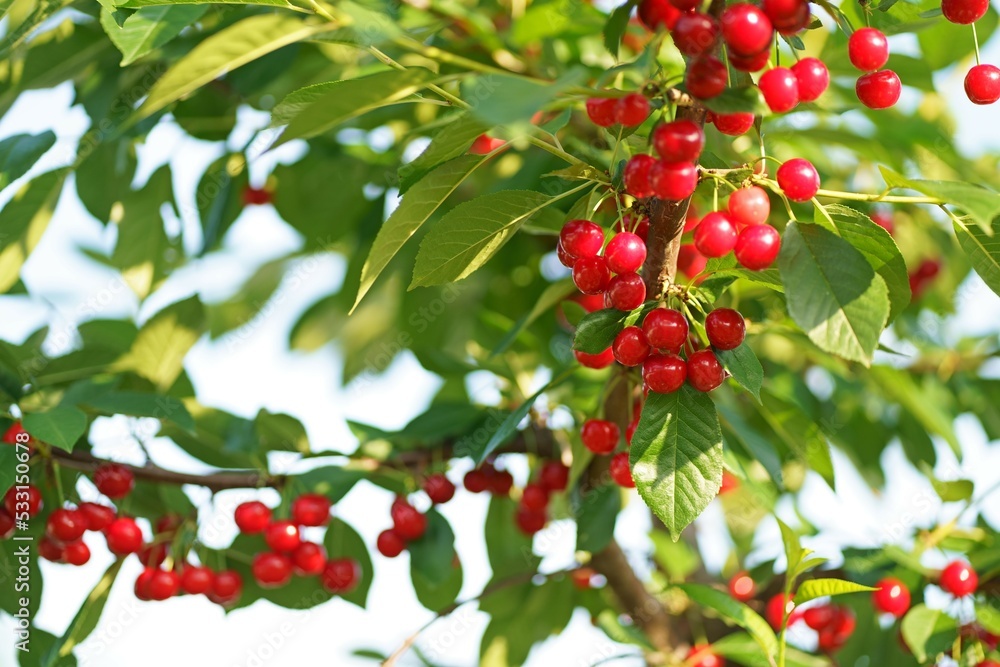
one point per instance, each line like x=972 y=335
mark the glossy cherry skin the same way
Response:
x=311 y=509
x=813 y=78
x=701 y=655
x=529 y=522
x=636 y=175
x=534 y=497
x=746 y=29
x=76 y=553
x=50 y=549
x=625 y=253
x=754 y=63
x=780 y=89
x=595 y=361
x=124 y=536
x=787 y=16
x=581 y=238
x=600 y=436
x=620 y=470
x=706 y=77
x=819 y=617
x=20 y=500
x=715 y=235
x=878 y=90
x=439 y=488
x=664 y=373
x=892 y=597
x=626 y=291
x=733 y=124
x=554 y=476
x=679 y=141
x=964 y=12
x=798 y=179
x=485 y=144
x=726 y=328
x=308 y=559
x=252 y=517
x=390 y=544
x=407 y=520
x=742 y=587
x=196 y=579
x=959 y=579
x=591 y=275
x=982 y=84
x=776 y=608
x=666 y=329
x=163 y=585
x=868 y=49
x=282 y=536
x=757 y=247
x=749 y=206
x=694 y=33
x=114 y=480
x=227 y=586
x=66 y=525
x=341 y=575
x=631 y=347
x=501 y=481
x=601 y=111
x=658 y=14
x=673 y=181
x=704 y=372
x=631 y=110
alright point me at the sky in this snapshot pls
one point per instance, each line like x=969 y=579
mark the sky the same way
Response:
x=252 y=369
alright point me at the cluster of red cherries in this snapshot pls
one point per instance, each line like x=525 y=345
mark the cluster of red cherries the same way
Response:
x=408 y=524
x=532 y=510
x=982 y=82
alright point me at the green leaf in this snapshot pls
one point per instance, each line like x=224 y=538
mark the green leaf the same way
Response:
x=980 y=203
x=23 y=221
x=902 y=387
x=137 y=404
x=744 y=366
x=819 y=588
x=596 y=511
x=60 y=427
x=794 y=553
x=737 y=612
x=149 y=28
x=988 y=616
x=87 y=617
x=939 y=49
x=515 y=99
x=133 y=4
x=434 y=568
x=832 y=291
x=451 y=141
x=597 y=330
x=745 y=99
x=471 y=233
x=163 y=342
x=616 y=26
x=983 y=250
x=927 y=632
x=226 y=50
x=219 y=198
x=951 y=491
x=322 y=107
x=342 y=541
x=676 y=456
x=281 y=432
x=744 y=650
x=331 y=481
x=413 y=211
x=19 y=152
x=549 y=298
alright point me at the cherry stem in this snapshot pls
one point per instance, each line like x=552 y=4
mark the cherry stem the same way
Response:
x=975 y=40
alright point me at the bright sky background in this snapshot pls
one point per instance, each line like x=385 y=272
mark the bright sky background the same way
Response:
x=253 y=369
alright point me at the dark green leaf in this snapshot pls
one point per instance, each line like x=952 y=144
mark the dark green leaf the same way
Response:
x=983 y=250
x=18 y=153
x=744 y=366
x=60 y=427
x=596 y=511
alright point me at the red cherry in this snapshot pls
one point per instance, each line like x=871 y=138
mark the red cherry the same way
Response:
x=252 y=517
x=690 y=262
x=715 y=235
x=439 y=488
x=798 y=179
x=600 y=436
x=704 y=372
x=196 y=579
x=694 y=33
x=833 y=636
x=534 y=498
x=581 y=238
x=601 y=111
x=819 y=617
x=407 y=520
x=679 y=141
x=884 y=220
x=780 y=89
x=868 y=49
x=664 y=373
x=114 y=480
x=591 y=275
x=6 y=525
x=746 y=29
x=620 y=470
x=787 y=16
x=153 y=555
x=163 y=585
x=389 y=543
x=475 y=481
x=813 y=78
x=749 y=206
x=625 y=253
x=256 y=196
x=982 y=84
x=554 y=476
x=631 y=110
x=10 y=436
x=878 y=90
x=673 y=181
x=658 y=14
x=529 y=522
x=757 y=247
x=141 y=587
x=626 y=292
x=964 y=12
x=776 y=608
x=701 y=655
x=227 y=586
x=124 y=536
x=66 y=525
x=733 y=124
x=23 y=499
x=50 y=550
x=891 y=597
x=76 y=553
x=308 y=559
x=706 y=77
x=754 y=63
x=959 y=579
x=628 y=223
x=742 y=587
x=631 y=347
x=501 y=483
x=581 y=577
x=311 y=509
x=726 y=328
x=636 y=176
x=341 y=575
x=282 y=536
x=485 y=144
x=666 y=329
x=590 y=302
x=595 y=361
x=271 y=570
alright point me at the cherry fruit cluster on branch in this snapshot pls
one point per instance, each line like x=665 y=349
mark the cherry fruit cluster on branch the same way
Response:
x=531 y=514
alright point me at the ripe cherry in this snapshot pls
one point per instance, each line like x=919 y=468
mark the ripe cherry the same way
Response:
x=620 y=471
x=227 y=586
x=631 y=110
x=163 y=585
x=311 y=509
x=673 y=181
x=124 y=536
x=13 y=432
x=631 y=347
x=749 y=206
x=76 y=553
x=581 y=238
x=485 y=144
x=341 y=575
x=50 y=550
x=476 y=481
x=776 y=609
x=694 y=33
x=982 y=84
x=819 y=617
x=780 y=89
x=746 y=29
x=501 y=482
x=798 y=179
x=704 y=372
x=196 y=579
x=6 y=525
x=658 y=14
x=153 y=555
x=754 y=63
x=706 y=77
x=529 y=522
x=664 y=373
x=439 y=488
x=813 y=78
x=252 y=517
x=636 y=175
x=595 y=361
x=742 y=587
x=690 y=262
x=601 y=111
x=964 y=12
x=715 y=235
x=701 y=655
x=407 y=520
x=600 y=436
x=666 y=329
x=892 y=597
x=308 y=559
x=835 y=634
x=534 y=497
x=625 y=253
x=726 y=328
x=141 y=587
x=757 y=247
x=679 y=141
x=626 y=291
x=390 y=543
x=868 y=49
x=23 y=499
x=884 y=220
x=787 y=16
x=282 y=536
x=591 y=275
x=878 y=90
x=959 y=579
x=114 y=480
x=554 y=476
x=66 y=525
x=271 y=570
x=733 y=124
